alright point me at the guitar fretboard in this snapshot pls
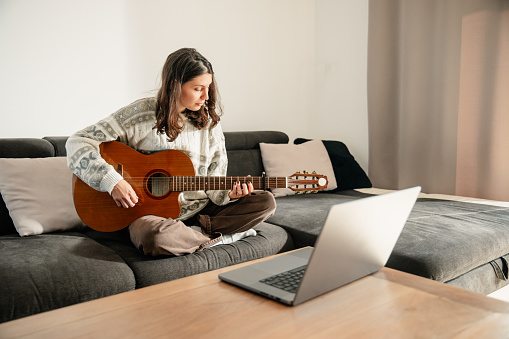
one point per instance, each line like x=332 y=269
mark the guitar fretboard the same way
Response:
x=197 y=183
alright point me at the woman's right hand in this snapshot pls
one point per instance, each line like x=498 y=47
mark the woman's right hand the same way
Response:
x=124 y=194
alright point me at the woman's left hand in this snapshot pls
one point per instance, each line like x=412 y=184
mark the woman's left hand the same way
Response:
x=240 y=190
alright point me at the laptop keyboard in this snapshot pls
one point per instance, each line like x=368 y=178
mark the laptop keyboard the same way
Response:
x=288 y=281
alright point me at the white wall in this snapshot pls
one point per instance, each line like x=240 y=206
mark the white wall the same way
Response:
x=341 y=47
x=292 y=65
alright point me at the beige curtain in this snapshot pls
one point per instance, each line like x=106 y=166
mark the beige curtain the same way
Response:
x=438 y=96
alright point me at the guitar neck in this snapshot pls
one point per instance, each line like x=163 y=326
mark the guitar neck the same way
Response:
x=197 y=183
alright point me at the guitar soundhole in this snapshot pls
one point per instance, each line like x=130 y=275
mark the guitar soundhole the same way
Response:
x=157 y=184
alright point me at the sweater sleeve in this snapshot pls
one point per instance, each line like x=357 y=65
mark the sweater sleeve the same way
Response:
x=84 y=159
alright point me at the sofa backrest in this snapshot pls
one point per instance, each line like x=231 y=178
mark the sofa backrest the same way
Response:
x=25 y=148
x=244 y=157
x=243 y=149
x=58 y=145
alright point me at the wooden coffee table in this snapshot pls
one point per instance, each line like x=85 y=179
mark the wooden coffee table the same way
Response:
x=386 y=304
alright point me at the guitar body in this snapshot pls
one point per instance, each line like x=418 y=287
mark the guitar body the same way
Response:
x=99 y=211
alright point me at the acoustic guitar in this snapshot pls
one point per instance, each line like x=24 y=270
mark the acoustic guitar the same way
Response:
x=158 y=179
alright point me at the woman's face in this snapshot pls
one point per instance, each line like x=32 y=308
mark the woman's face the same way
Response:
x=195 y=92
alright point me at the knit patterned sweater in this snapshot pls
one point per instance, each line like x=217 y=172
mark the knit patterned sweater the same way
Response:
x=133 y=125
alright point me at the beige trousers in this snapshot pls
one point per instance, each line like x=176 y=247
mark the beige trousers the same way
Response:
x=154 y=235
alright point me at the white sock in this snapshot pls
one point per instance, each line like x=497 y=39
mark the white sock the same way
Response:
x=229 y=238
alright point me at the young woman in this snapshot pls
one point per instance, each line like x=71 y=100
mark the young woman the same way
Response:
x=183 y=116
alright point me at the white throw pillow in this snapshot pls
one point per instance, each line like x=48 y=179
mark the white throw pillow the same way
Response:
x=38 y=194
x=286 y=159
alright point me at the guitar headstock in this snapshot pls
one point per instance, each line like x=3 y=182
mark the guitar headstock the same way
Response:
x=307 y=182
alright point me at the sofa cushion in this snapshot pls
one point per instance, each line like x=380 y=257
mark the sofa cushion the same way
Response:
x=38 y=194
x=445 y=239
x=285 y=160
x=483 y=279
x=349 y=174
x=441 y=240
x=48 y=271
x=303 y=215
x=153 y=270
x=20 y=148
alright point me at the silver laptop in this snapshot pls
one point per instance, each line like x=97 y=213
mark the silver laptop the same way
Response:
x=356 y=240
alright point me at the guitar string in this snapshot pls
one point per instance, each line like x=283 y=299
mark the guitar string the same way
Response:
x=203 y=182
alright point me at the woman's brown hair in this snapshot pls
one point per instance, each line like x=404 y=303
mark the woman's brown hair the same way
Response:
x=180 y=67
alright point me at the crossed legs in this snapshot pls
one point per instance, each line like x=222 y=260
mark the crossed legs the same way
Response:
x=154 y=235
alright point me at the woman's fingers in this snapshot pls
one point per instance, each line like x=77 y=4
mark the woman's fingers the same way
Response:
x=240 y=190
x=124 y=195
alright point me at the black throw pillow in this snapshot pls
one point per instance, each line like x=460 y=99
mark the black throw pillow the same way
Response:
x=349 y=174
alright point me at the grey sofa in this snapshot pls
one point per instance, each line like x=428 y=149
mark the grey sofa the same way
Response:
x=457 y=243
